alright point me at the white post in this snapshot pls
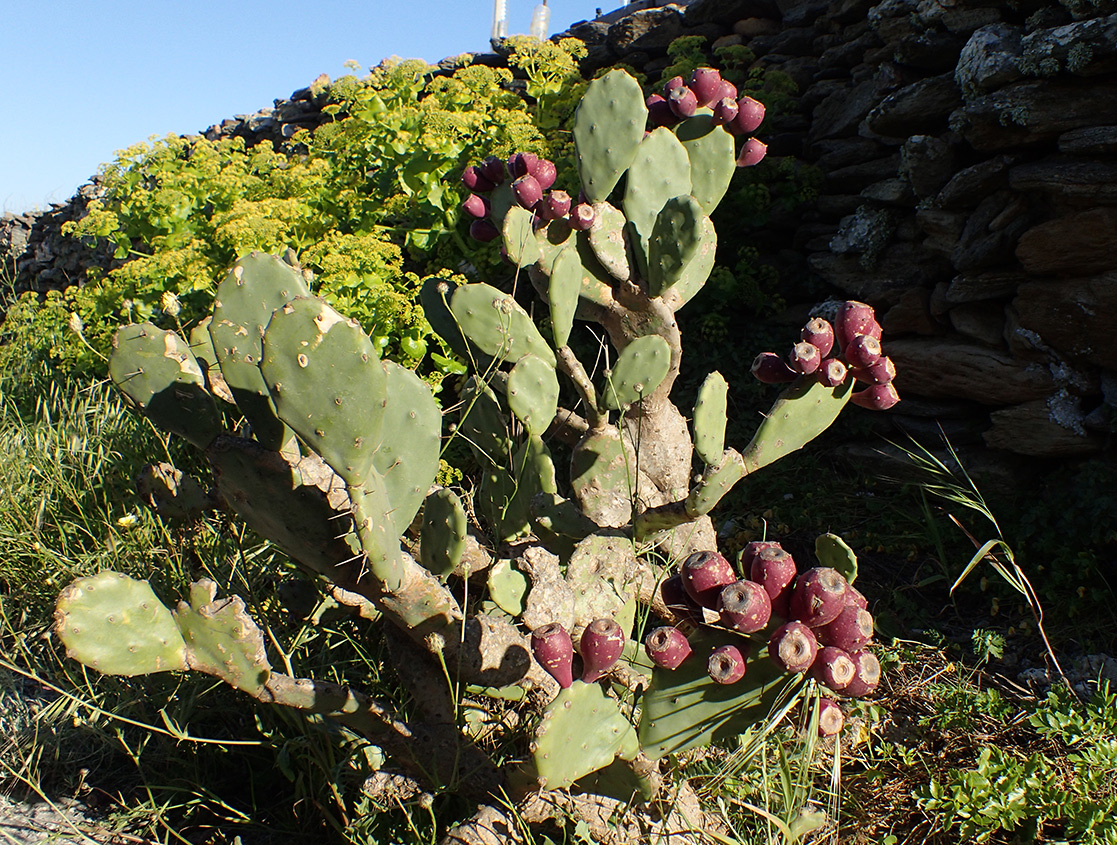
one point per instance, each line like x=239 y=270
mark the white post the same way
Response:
x=540 y=21
x=500 y=19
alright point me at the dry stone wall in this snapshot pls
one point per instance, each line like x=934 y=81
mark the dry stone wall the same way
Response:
x=969 y=153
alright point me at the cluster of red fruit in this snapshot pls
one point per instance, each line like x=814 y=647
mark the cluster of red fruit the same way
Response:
x=706 y=89
x=821 y=623
x=855 y=338
x=531 y=177
x=600 y=648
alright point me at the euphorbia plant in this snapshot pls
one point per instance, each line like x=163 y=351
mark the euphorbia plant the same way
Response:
x=343 y=440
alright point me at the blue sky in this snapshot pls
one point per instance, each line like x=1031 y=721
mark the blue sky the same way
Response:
x=84 y=78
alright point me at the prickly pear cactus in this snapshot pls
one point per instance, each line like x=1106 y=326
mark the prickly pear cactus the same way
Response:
x=338 y=461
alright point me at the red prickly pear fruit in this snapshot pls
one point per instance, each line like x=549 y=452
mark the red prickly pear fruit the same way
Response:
x=556 y=205
x=752 y=551
x=818 y=332
x=850 y=631
x=522 y=164
x=855 y=318
x=705 y=82
x=770 y=368
x=678 y=602
x=483 y=230
x=726 y=665
x=831 y=720
x=820 y=595
x=476 y=206
x=879 y=397
x=659 y=111
x=728 y=90
x=833 y=668
x=553 y=648
x=545 y=173
x=744 y=606
x=494 y=170
x=804 y=358
x=671 y=84
x=867 y=676
x=862 y=350
x=793 y=647
x=704 y=574
x=774 y=570
x=725 y=111
x=476 y=181
x=856 y=598
x=527 y=191
x=752 y=152
x=582 y=216
x=750 y=114
x=683 y=102
x=832 y=372
x=667 y=647
x=601 y=647
x=880 y=372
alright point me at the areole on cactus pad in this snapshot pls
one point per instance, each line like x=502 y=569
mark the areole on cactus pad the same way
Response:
x=345 y=446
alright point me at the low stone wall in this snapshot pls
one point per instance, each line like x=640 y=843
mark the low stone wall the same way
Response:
x=970 y=190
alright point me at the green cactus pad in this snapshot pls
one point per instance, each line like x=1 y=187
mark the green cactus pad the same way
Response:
x=608 y=126
x=483 y=425
x=582 y=730
x=501 y=200
x=563 y=290
x=676 y=239
x=116 y=625
x=553 y=240
x=639 y=370
x=162 y=379
x=251 y=291
x=533 y=392
x=299 y=504
x=601 y=573
x=660 y=171
x=221 y=638
x=376 y=531
x=608 y=242
x=519 y=237
x=697 y=270
x=596 y=281
x=497 y=324
x=802 y=412
x=327 y=383
x=411 y=436
x=505 y=494
x=201 y=345
x=684 y=708
x=710 y=411
x=715 y=482
x=603 y=477
x=442 y=537
x=435 y=296
x=508 y=587
x=561 y=516
x=618 y=780
x=713 y=159
x=832 y=551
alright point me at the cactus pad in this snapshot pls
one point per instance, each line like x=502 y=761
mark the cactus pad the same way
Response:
x=601 y=572
x=221 y=638
x=582 y=731
x=519 y=237
x=533 y=392
x=508 y=587
x=443 y=533
x=713 y=160
x=608 y=126
x=683 y=707
x=603 y=477
x=639 y=370
x=715 y=482
x=802 y=412
x=607 y=240
x=563 y=289
x=660 y=171
x=676 y=239
x=162 y=379
x=116 y=625
x=497 y=324
x=251 y=291
x=327 y=383
x=832 y=551
x=710 y=411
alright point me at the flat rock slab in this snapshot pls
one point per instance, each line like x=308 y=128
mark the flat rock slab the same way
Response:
x=955 y=369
